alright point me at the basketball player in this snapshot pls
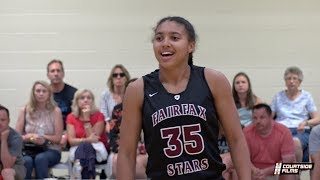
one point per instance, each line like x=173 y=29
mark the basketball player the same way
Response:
x=178 y=107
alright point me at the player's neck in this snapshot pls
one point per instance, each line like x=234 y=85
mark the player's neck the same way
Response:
x=176 y=81
x=176 y=75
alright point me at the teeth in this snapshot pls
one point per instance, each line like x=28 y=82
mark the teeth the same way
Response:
x=166 y=53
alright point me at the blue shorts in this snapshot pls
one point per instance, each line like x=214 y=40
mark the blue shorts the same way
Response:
x=304 y=140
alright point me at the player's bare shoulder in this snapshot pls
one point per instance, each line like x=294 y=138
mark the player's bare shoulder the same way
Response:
x=134 y=91
x=214 y=77
x=136 y=85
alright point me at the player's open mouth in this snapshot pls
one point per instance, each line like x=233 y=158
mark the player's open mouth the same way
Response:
x=166 y=54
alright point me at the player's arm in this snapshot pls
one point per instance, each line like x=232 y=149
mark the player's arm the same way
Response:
x=229 y=118
x=130 y=130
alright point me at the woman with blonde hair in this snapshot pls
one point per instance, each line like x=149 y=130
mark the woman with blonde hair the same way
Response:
x=112 y=96
x=86 y=128
x=40 y=122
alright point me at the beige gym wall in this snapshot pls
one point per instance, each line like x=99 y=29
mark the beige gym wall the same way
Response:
x=261 y=38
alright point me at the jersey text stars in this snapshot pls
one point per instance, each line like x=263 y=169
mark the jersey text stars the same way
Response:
x=187 y=167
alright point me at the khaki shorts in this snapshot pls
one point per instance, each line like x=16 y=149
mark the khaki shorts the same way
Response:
x=20 y=172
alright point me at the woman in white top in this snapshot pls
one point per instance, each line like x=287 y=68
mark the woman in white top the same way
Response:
x=112 y=96
x=296 y=109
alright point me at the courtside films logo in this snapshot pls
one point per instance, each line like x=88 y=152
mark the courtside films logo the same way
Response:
x=291 y=168
x=277 y=169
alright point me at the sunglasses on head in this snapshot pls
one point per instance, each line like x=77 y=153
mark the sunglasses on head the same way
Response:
x=115 y=75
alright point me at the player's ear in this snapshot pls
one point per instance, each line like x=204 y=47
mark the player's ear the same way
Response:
x=192 y=45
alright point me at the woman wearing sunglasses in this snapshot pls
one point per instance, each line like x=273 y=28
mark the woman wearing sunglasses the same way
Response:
x=112 y=96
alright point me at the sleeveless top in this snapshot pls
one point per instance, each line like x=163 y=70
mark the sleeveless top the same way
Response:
x=41 y=122
x=245 y=115
x=181 y=130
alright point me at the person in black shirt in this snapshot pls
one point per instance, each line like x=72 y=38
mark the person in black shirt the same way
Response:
x=62 y=92
x=179 y=106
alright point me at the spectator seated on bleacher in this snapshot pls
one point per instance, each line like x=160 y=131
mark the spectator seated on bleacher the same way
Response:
x=296 y=109
x=40 y=124
x=244 y=98
x=86 y=125
x=269 y=142
x=11 y=161
x=229 y=173
x=114 y=136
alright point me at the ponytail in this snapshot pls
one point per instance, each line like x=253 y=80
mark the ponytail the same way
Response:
x=190 y=59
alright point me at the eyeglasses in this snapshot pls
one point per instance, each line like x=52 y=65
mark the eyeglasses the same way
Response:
x=115 y=75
